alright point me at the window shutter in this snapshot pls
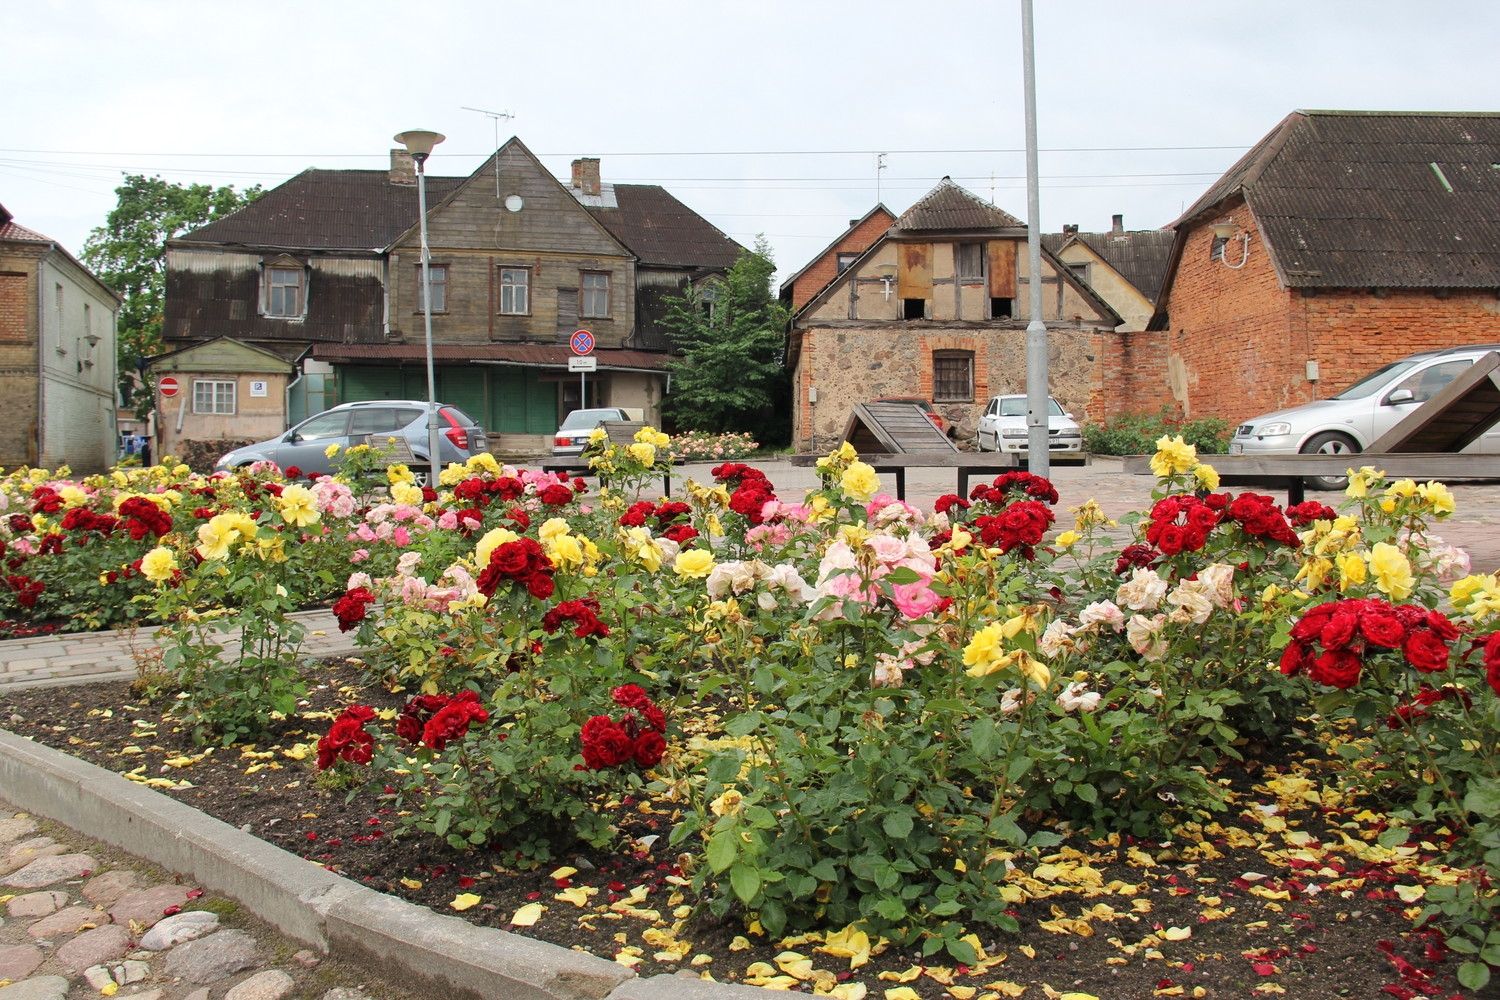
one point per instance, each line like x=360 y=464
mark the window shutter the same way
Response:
x=1002 y=269
x=915 y=278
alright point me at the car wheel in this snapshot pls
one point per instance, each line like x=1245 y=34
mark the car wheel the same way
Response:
x=1330 y=443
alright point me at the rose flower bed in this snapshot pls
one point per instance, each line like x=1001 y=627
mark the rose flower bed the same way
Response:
x=858 y=729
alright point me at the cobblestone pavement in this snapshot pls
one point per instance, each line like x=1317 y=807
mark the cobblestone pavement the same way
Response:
x=84 y=920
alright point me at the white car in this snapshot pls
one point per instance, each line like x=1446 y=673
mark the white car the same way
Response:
x=1354 y=419
x=1003 y=427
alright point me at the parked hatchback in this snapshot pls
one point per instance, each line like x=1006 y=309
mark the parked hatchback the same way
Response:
x=1003 y=427
x=576 y=427
x=305 y=446
x=1351 y=421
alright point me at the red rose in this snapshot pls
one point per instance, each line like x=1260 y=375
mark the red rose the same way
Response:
x=1492 y=661
x=1425 y=651
x=648 y=748
x=555 y=495
x=1295 y=658
x=1339 y=630
x=350 y=609
x=1382 y=629
x=1337 y=668
x=604 y=743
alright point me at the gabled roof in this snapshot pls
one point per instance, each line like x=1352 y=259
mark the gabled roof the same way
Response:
x=326 y=210
x=1140 y=256
x=661 y=230
x=1371 y=199
x=949 y=207
x=9 y=230
x=786 y=286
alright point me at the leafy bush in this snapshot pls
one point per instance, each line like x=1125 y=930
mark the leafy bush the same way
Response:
x=1137 y=433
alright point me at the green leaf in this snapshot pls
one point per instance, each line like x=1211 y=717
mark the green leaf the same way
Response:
x=745 y=881
x=891 y=908
x=743 y=725
x=1474 y=975
x=961 y=951
x=824 y=871
x=1394 y=836
x=1483 y=797
x=897 y=825
x=1087 y=793
x=722 y=849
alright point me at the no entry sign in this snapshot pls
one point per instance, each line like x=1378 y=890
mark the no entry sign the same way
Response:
x=582 y=342
x=167 y=386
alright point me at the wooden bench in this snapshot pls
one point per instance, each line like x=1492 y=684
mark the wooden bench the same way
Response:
x=894 y=437
x=618 y=432
x=1425 y=444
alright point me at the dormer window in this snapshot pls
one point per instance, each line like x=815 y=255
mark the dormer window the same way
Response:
x=285 y=290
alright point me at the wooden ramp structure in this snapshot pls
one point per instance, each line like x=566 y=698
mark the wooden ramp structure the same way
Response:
x=1428 y=443
x=894 y=437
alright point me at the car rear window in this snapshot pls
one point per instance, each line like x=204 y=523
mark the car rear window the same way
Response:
x=462 y=418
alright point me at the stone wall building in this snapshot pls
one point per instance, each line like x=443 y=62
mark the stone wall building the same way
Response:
x=937 y=306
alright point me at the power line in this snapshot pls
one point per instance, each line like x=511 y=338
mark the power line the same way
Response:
x=731 y=152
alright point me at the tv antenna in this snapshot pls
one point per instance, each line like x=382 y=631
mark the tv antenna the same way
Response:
x=496 y=117
x=879 y=166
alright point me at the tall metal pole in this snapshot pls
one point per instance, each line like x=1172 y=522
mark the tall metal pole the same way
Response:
x=1037 y=444
x=432 y=413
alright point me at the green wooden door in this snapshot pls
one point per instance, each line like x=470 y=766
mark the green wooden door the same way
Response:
x=520 y=404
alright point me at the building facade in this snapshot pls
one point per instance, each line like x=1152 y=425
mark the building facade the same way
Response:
x=937 y=306
x=57 y=357
x=325 y=271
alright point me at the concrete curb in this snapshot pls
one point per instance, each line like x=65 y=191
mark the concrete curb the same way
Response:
x=410 y=944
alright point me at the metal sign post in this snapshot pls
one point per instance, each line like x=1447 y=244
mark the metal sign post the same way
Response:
x=582 y=343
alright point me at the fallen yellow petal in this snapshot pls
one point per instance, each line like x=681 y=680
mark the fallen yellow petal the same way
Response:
x=464 y=900
x=528 y=915
x=901 y=993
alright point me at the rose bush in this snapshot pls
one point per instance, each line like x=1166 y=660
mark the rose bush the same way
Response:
x=864 y=713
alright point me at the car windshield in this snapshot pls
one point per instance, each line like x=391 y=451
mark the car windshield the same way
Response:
x=1372 y=382
x=587 y=419
x=1016 y=407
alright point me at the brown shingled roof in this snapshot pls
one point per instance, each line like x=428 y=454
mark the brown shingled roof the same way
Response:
x=1373 y=199
x=326 y=210
x=659 y=229
x=1139 y=255
x=950 y=207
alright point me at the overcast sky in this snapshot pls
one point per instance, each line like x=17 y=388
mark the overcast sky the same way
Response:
x=764 y=116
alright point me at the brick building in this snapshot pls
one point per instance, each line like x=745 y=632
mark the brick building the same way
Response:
x=57 y=356
x=324 y=270
x=934 y=305
x=1342 y=241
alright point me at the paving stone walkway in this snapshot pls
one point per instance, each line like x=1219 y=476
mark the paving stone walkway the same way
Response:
x=82 y=920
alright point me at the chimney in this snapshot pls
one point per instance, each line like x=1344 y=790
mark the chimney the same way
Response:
x=1070 y=229
x=403 y=168
x=1119 y=226
x=586 y=175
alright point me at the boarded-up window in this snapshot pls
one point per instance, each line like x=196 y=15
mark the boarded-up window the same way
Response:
x=969 y=261
x=952 y=376
x=1002 y=269
x=914 y=280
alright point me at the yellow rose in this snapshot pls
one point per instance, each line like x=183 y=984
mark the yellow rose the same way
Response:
x=399 y=474
x=408 y=494
x=483 y=462
x=1174 y=456
x=1438 y=498
x=859 y=481
x=1392 y=571
x=1477 y=595
x=643 y=453
x=330 y=451
x=298 y=506
x=159 y=564
x=553 y=527
x=1401 y=488
x=565 y=551
x=598 y=435
x=1067 y=539
x=1207 y=476
x=693 y=563
x=1351 y=570
x=1360 y=480
x=984 y=654
x=641 y=547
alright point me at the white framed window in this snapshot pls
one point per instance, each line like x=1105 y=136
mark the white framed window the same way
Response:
x=439 y=288
x=213 y=396
x=593 y=294
x=284 y=296
x=515 y=289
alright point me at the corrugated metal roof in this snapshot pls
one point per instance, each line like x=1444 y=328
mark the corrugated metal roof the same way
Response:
x=951 y=207
x=544 y=355
x=659 y=229
x=1374 y=199
x=1139 y=255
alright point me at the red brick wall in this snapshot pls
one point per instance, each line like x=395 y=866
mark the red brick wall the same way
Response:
x=826 y=267
x=1239 y=342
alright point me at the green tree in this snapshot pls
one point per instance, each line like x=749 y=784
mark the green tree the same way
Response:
x=129 y=253
x=732 y=339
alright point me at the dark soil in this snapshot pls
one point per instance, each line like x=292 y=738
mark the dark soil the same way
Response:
x=1268 y=911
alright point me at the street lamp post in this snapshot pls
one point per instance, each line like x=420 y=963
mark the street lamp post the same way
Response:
x=419 y=143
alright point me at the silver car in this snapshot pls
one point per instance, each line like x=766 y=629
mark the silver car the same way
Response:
x=305 y=446
x=1354 y=419
x=573 y=434
x=1003 y=427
